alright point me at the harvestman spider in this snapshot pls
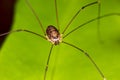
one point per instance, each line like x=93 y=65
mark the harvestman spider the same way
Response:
x=53 y=35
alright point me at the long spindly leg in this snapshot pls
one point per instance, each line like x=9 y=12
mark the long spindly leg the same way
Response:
x=48 y=59
x=104 y=16
x=98 y=22
x=87 y=55
x=22 y=30
x=36 y=16
x=82 y=8
x=56 y=11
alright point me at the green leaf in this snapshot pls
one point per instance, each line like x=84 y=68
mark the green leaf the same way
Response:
x=24 y=55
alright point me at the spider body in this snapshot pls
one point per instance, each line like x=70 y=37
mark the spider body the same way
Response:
x=53 y=35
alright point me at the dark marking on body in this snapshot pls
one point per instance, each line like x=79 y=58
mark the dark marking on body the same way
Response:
x=53 y=35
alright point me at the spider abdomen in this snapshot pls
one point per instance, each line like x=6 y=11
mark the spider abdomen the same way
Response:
x=53 y=35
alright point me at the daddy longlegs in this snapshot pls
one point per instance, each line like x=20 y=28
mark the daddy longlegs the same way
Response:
x=54 y=36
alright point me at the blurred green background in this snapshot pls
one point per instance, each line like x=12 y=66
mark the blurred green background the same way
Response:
x=24 y=55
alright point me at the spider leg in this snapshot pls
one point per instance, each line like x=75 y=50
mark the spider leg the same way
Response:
x=48 y=59
x=56 y=11
x=98 y=23
x=88 y=56
x=104 y=16
x=82 y=8
x=22 y=30
x=27 y=2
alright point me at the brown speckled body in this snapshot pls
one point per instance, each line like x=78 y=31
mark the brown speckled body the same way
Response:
x=53 y=35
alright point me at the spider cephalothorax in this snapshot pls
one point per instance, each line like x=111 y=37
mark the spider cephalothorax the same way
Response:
x=53 y=35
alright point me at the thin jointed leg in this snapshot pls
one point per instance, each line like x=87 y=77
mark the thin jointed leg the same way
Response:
x=57 y=19
x=82 y=8
x=27 y=2
x=88 y=56
x=98 y=23
x=46 y=68
x=22 y=30
x=94 y=19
